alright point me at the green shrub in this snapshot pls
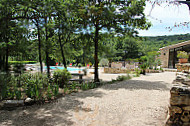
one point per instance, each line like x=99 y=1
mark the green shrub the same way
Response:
x=4 y=85
x=143 y=67
x=122 y=78
x=90 y=85
x=61 y=77
x=137 y=72
x=104 y=62
x=36 y=86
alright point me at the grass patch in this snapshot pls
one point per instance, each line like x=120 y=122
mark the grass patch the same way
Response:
x=22 y=62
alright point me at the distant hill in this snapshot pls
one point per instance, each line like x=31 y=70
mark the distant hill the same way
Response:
x=154 y=43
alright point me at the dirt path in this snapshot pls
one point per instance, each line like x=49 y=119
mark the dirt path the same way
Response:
x=141 y=101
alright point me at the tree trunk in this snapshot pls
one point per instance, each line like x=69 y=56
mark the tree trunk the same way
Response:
x=1 y=62
x=7 y=56
x=7 y=49
x=47 y=47
x=3 y=65
x=83 y=56
x=62 y=53
x=96 y=78
x=39 y=48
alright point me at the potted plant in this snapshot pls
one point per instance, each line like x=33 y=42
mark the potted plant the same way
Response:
x=183 y=56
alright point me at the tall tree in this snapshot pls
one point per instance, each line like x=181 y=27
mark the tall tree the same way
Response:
x=66 y=26
x=10 y=13
x=118 y=16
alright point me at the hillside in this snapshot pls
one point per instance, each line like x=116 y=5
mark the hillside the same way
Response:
x=154 y=43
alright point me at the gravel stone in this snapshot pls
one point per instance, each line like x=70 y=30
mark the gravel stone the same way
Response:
x=141 y=101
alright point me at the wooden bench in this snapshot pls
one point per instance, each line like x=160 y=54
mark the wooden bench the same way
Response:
x=80 y=80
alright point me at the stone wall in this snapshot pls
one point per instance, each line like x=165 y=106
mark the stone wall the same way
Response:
x=164 y=57
x=185 y=67
x=115 y=70
x=179 y=110
x=116 y=65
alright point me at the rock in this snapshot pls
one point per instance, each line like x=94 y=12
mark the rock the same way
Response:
x=186 y=124
x=187 y=108
x=13 y=103
x=182 y=74
x=180 y=100
x=29 y=101
x=175 y=109
x=186 y=82
x=1 y=104
x=179 y=110
x=185 y=116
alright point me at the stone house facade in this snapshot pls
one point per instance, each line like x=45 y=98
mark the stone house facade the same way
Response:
x=168 y=54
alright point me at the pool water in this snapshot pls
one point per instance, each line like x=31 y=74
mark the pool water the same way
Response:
x=61 y=68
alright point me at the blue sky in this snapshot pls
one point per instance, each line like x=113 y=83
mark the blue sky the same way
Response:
x=166 y=16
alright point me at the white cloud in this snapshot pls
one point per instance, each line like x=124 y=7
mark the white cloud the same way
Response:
x=166 y=16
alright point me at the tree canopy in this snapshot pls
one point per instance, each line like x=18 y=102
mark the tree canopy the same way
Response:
x=64 y=31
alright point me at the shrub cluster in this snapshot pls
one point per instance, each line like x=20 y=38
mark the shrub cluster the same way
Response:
x=36 y=86
x=122 y=78
x=61 y=77
x=39 y=87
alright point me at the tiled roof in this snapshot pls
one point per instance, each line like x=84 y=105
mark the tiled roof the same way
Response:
x=176 y=45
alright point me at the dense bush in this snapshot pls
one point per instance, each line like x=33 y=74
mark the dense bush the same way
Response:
x=137 y=72
x=61 y=77
x=36 y=86
x=143 y=67
x=86 y=86
x=122 y=78
x=4 y=82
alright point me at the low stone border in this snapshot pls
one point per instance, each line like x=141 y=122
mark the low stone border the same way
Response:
x=8 y=104
x=179 y=110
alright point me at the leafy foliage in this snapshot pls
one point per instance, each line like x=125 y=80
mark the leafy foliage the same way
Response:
x=104 y=62
x=36 y=86
x=154 y=43
x=61 y=77
x=122 y=78
x=22 y=62
x=182 y=54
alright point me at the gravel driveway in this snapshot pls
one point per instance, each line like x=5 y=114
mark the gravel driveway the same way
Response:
x=141 y=101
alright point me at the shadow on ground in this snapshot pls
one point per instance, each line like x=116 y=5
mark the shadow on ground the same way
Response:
x=138 y=85
x=49 y=114
x=57 y=113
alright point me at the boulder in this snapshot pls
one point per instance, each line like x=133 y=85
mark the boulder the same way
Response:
x=29 y=101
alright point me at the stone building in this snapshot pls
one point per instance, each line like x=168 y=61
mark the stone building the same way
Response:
x=168 y=54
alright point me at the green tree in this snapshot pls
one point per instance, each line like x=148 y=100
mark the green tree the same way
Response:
x=10 y=24
x=118 y=16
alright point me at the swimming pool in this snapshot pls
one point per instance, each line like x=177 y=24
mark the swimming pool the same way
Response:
x=61 y=68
